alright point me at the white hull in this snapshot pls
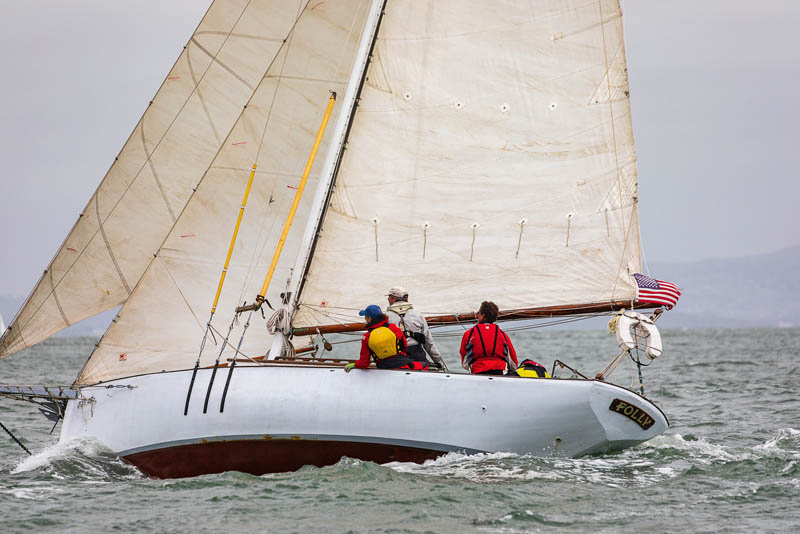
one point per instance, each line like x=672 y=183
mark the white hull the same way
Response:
x=322 y=412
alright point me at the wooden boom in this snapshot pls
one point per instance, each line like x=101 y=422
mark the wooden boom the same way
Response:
x=503 y=315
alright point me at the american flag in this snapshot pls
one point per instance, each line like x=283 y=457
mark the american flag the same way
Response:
x=656 y=291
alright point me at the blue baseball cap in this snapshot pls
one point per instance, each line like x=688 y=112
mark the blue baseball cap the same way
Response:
x=372 y=311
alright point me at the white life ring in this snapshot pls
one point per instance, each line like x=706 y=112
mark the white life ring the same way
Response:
x=644 y=327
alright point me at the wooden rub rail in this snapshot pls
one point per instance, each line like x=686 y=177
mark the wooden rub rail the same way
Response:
x=503 y=315
x=300 y=360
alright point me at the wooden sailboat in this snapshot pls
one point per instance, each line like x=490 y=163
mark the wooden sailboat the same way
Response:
x=478 y=150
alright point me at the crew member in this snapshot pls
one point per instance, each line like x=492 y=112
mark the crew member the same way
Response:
x=485 y=348
x=414 y=326
x=383 y=342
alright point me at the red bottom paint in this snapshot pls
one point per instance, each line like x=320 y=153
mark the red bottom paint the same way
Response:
x=258 y=457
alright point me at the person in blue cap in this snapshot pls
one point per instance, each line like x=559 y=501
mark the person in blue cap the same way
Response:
x=384 y=342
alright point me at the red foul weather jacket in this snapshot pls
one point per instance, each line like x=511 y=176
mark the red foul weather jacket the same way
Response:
x=485 y=347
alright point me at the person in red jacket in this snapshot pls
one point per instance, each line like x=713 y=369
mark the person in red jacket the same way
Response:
x=485 y=348
x=384 y=342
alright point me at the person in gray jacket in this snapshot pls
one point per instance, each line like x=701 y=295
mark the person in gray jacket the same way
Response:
x=414 y=326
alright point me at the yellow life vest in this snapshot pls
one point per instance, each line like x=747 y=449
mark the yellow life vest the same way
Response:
x=531 y=369
x=383 y=343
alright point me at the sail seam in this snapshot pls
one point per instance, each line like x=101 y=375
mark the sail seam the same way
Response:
x=611 y=109
x=108 y=248
x=155 y=173
x=287 y=43
x=215 y=59
x=268 y=172
x=301 y=78
x=58 y=302
x=185 y=300
x=242 y=35
x=201 y=97
x=564 y=35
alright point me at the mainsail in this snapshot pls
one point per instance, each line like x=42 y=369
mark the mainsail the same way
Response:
x=161 y=324
x=146 y=188
x=491 y=157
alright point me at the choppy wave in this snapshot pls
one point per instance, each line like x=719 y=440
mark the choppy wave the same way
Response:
x=81 y=459
x=730 y=462
x=665 y=457
x=785 y=444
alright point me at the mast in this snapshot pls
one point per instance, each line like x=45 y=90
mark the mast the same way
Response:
x=343 y=125
x=324 y=187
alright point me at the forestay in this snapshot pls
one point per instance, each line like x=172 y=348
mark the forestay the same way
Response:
x=150 y=181
x=163 y=321
x=491 y=157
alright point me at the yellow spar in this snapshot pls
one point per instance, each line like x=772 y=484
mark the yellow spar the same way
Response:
x=299 y=193
x=233 y=239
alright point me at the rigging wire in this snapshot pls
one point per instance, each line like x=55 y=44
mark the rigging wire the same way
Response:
x=284 y=46
x=16 y=440
x=519 y=328
x=258 y=251
x=237 y=352
x=216 y=363
x=435 y=334
x=233 y=364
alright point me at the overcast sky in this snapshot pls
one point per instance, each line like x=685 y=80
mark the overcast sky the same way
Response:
x=714 y=88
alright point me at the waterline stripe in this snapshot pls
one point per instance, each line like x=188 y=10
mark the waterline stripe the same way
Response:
x=304 y=437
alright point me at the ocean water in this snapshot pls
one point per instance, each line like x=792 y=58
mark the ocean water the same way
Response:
x=729 y=463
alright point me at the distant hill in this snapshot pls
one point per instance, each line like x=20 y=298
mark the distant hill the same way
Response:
x=753 y=291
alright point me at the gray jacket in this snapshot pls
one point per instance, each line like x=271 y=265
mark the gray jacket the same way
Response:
x=408 y=319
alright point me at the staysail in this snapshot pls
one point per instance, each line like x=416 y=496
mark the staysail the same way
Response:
x=146 y=188
x=491 y=157
x=163 y=321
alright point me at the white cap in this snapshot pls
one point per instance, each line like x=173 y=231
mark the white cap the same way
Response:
x=398 y=292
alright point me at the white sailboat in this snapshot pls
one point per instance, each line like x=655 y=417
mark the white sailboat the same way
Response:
x=478 y=150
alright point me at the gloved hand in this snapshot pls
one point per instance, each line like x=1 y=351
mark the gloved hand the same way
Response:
x=348 y=367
